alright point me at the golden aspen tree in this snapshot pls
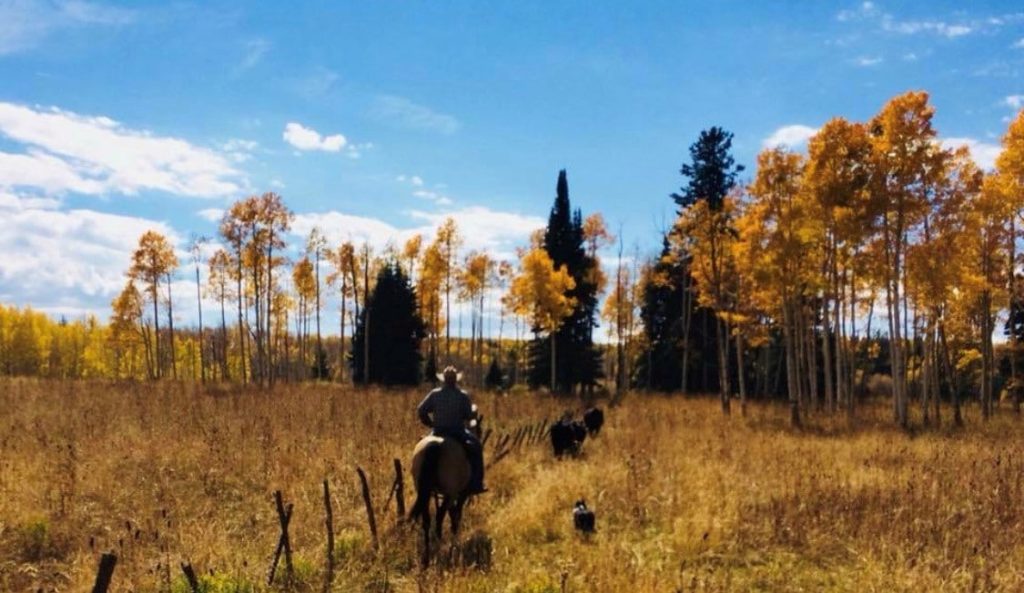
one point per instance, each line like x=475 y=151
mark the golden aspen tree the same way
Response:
x=986 y=228
x=449 y=241
x=304 y=283
x=218 y=286
x=775 y=252
x=430 y=280
x=904 y=170
x=316 y=246
x=1010 y=167
x=705 y=234
x=152 y=261
x=343 y=262
x=539 y=292
x=410 y=254
x=235 y=231
x=195 y=250
x=125 y=330
x=836 y=178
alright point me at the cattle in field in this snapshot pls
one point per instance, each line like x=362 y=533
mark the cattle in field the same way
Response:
x=567 y=436
x=593 y=418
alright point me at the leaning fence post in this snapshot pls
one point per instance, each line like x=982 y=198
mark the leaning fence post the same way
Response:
x=369 y=506
x=284 y=517
x=329 y=521
x=399 y=490
x=106 y=572
x=190 y=576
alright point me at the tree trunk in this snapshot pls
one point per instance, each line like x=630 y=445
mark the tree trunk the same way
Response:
x=241 y=323
x=722 y=330
x=199 y=308
x=156 y=325
x=319 y=339
x=223 y=339
x=741 y=372
x=170 y=329
x=686 y=319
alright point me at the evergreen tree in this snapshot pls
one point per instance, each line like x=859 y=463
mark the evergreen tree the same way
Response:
x=395 y=332
x=659 y=365
x=673 y=321
x=495 y=378
x=579 y=361
x=711 y=172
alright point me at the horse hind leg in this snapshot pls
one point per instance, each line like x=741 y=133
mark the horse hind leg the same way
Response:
x=455 y=515
x=443 y=508
x=426 y=538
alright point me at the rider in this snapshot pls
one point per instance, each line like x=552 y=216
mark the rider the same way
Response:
x=447 y=410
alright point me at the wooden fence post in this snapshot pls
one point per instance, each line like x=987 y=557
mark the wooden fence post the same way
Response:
x=284 y=517
x=190 y=576
x=399 y=489
x=106 y=572
x=369 y=507
x=329 y=521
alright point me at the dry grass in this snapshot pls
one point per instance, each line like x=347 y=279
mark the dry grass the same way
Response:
x=686 y=499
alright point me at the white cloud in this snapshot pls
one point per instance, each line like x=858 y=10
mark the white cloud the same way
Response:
x=66 y=260
x=254 y=52
x=421 y=191
x=496 y=231
x=867 y=61
x=402 y=112
x=304 y=138
x=433 y=196
x=316 y=84
x=791 y=136
x=865 y=10
x=983 y=153
x=958 y=27
x=910 y=57
x=26 y=23
x=94 y=155
x=211 y=214
x=1019 y=44
x=1014 y=101
x=339 y=227
x=936 y=27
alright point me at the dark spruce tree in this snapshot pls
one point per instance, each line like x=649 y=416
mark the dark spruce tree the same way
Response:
x=395 y=333
x=676 y=328
x=659 y=366
x=495 y=378
x=578 y=360
x=711 y=172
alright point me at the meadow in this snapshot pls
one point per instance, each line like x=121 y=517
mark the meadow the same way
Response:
x=686 y=499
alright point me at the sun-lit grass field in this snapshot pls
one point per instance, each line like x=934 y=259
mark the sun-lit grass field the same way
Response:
x=686 y=499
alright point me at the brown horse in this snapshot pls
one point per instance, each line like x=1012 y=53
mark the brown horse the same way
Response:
x=440 y=469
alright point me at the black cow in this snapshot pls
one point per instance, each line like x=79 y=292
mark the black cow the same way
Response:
x=567 y=435
x=593 y=418
x=583 y=518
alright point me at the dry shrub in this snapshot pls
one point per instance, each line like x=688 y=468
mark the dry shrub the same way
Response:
x=685 y=498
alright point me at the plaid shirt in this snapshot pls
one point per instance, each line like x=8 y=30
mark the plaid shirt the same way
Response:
x=446 y=409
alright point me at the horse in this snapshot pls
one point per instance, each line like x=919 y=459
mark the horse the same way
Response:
x=440 y=468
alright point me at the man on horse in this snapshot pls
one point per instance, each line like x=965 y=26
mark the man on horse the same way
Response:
x=447 y=410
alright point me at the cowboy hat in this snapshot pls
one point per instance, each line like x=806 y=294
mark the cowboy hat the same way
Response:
x=449 y=370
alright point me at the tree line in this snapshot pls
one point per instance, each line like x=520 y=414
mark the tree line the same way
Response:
x=879 y=253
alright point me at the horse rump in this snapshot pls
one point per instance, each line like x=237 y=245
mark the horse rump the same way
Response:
x=426 y=481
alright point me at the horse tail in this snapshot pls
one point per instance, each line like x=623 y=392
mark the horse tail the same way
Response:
x=426 y=481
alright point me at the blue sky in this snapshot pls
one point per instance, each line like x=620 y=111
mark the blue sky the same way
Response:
x=377 y=119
